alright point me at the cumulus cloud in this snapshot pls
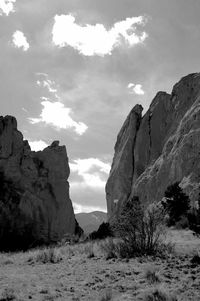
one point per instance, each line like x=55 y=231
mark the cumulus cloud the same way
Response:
x=37 y=145
x=20 y=41
x=56 y=114
x=6 y=7
x=135 y=89
x=92 y=40
x=92 y=171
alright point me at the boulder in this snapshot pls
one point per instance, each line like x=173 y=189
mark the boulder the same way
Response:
x=35 y=206
x=163 y=148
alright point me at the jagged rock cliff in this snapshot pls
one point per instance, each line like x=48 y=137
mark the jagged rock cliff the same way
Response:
x=158 y=149
x=35 y=206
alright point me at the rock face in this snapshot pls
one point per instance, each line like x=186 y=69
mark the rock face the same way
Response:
x=35 y=206
x=158 y=149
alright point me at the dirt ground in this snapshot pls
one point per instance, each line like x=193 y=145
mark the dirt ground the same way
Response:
x=77 y=277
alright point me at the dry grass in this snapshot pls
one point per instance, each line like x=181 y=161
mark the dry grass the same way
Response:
x=106 y=296
x=47 y=255
x=80 y=276
x=158 y=294
x=152 y=275
x=8 y=295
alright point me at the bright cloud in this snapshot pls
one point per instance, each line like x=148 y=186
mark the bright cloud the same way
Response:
x=47 y=83
x=20 y=41
x=56 y=114
x=135 y=89
x=6 y=7
x=37 y=145
x=78 y=208
x=92 y=171
x=96 y=39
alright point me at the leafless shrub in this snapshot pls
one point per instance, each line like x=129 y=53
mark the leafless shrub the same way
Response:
x=141 y=230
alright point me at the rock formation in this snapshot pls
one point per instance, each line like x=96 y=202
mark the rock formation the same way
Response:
x=158 y=149
x=35 y=206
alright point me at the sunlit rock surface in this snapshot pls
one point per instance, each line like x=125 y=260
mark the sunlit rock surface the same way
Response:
x=158 y=149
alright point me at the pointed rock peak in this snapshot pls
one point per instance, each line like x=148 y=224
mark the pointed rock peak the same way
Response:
x=137 y=109
x=8 y=121
x=55 y=144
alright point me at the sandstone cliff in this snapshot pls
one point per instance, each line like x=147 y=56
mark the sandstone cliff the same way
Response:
x=158 y=149
x=35 y=206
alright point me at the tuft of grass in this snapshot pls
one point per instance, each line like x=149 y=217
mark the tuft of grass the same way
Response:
x=151 y=274
x=8 y=295
x=48 y=255
x=107 y=296
x=89 y=250
x=158 y=294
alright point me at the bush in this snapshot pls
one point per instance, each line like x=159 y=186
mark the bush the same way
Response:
x=194 y=217
x=103 y=232
x=140 y=230
x=109 y=248
x=176 y=203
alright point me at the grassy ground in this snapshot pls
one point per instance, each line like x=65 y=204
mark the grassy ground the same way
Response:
x=81 y=272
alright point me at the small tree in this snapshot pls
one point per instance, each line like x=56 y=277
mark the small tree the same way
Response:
x=103 y=231
x=139 y=229
x=176 y=203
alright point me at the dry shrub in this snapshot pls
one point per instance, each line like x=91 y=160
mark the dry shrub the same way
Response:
x=48 y=255
x=140 y=230
x=109 y=248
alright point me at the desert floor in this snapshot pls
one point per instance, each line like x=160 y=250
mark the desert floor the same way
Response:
x=77 y=277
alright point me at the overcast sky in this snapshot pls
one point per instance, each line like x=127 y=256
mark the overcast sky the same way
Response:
x=71 y=70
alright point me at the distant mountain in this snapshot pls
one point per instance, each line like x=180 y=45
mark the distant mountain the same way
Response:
x=91 y=221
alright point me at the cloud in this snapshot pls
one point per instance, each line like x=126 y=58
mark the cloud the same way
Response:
x=56 y=114
x=87 y=184
x=92 y=172
x=135 y=88
x=6 y=7
x=20 y=41
x=47 y=83
x=78 y=208
x=37 y=145
x=92 y=40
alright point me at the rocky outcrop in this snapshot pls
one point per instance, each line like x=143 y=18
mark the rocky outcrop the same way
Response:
x=158 y=149
x=35 y=206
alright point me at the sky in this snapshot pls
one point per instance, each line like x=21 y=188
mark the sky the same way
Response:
x=71 y=70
